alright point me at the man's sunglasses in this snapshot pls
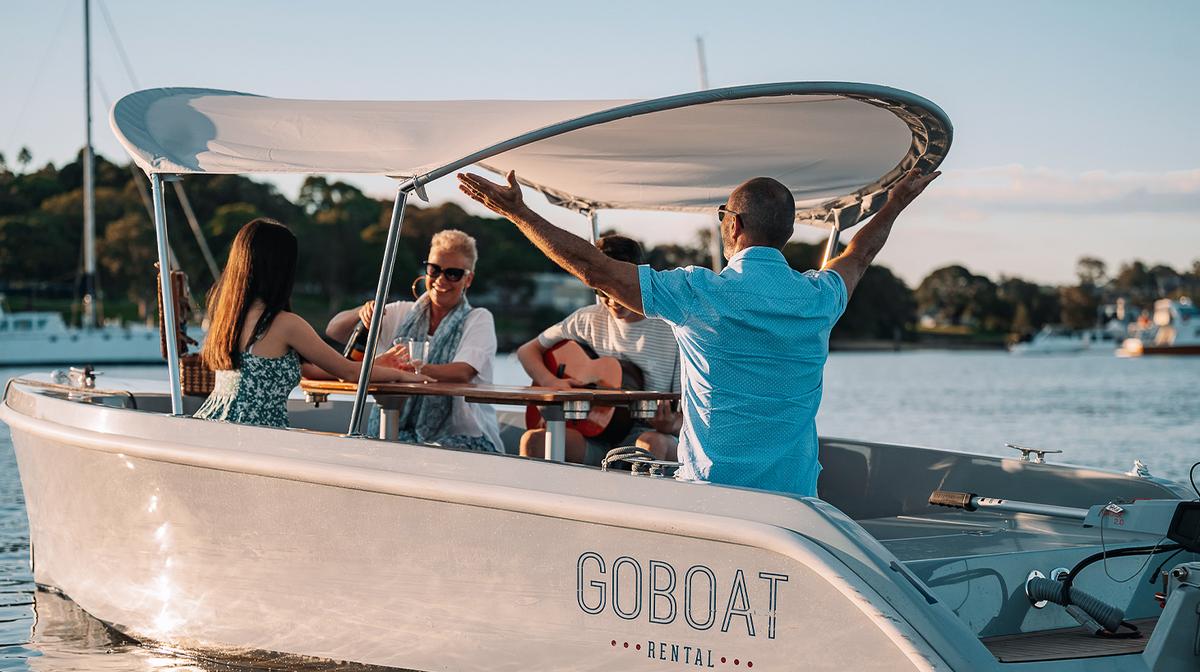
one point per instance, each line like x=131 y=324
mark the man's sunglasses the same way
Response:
x=452 y=274
x=723 y=210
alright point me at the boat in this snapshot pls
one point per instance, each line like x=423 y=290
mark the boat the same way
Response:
x=1056 y=340
x=317 y=543
x=42 y=337
x=1175 y=330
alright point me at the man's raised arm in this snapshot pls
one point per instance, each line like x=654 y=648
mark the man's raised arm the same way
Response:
x=853 y=263
x=581 y=259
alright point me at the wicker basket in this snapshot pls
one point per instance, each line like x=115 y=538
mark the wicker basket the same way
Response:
x=196 y=378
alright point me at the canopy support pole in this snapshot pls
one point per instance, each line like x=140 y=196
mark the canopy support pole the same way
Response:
x=168 y=299
x=831 y=245
x=381 y=292
x=594 y=220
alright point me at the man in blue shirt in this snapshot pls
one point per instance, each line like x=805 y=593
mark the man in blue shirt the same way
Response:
x=753 y=338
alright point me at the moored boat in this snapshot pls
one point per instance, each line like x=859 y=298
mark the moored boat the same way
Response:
x=42 y=337
x=1175 y=330
x=1053 y=340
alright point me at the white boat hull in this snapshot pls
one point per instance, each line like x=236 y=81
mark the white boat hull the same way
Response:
x=265 y=550
x=242 y=541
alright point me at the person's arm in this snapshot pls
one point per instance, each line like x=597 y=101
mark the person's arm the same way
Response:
x=342 y=324
x=476 y=350
x=450 y=372
x=577 y=256
x=853 y=262
x=301 y=337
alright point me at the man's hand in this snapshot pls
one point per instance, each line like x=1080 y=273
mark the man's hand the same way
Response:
x=908 y=188
x=505 y=201
x=575 y=255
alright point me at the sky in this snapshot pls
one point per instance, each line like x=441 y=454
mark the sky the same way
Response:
x=1075 y=122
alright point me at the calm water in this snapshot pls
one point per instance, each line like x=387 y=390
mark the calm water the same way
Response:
x=1100 y=411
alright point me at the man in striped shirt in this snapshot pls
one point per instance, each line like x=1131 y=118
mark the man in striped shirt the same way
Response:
x=611 y=330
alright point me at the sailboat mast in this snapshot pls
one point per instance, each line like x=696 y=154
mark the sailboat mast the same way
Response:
x=89 y=192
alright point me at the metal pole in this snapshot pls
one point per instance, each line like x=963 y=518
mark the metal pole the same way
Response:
x=164 y=285
x=594 y=220
x=381 y=291
x=716 y=259
x=89 y=192
x=832 y=243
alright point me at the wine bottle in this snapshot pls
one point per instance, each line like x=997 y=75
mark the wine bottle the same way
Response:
x=356 y=346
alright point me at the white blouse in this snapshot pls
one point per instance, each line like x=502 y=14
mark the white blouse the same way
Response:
x=477 y=348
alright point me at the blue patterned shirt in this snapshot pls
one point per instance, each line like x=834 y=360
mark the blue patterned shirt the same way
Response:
x=753 y=341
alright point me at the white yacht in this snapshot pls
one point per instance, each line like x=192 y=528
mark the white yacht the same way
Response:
x=42 y=337
x=325 y=545
x=1057 y=340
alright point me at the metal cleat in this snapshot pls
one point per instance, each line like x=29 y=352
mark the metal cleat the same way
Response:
x=1035 y=455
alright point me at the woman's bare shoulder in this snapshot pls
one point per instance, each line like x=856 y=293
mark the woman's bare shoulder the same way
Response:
x=290 y=321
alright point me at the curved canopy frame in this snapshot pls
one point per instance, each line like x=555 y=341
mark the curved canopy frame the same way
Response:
x=838 y=146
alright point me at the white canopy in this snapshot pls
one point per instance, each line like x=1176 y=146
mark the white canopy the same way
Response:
x=838 y=146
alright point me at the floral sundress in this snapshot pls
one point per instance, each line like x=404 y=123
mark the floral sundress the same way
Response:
x=256 y=393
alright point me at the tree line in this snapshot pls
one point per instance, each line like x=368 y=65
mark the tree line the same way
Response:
x=342 y=231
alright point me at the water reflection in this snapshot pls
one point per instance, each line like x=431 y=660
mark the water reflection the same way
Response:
x=64 y=638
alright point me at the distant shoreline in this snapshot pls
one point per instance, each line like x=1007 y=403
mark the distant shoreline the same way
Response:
x=885 y=345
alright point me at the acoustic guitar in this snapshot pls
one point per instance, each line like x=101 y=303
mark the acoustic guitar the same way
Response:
x=570 y=359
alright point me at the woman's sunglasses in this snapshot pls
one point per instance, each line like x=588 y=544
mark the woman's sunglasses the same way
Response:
x=452 y=274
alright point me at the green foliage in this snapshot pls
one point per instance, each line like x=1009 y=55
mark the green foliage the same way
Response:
x=955 y=296
x=126 y=250
x=342 y=232
x=39 y=246
x=1026 y=305
x=1079 y=307
x=882 y=307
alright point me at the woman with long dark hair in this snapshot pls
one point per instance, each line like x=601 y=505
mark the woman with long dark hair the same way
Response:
x=255 y=343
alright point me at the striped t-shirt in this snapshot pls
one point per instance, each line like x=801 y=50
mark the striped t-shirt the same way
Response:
x=648 y=343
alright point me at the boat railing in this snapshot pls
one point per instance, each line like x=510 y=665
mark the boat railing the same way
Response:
x=75 y=392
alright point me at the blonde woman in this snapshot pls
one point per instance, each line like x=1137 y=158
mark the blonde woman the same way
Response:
x=462 y=346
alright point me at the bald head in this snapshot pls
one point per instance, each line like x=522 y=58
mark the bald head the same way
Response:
x=767 y=211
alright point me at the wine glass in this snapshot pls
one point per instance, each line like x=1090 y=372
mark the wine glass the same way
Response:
x=418 y=352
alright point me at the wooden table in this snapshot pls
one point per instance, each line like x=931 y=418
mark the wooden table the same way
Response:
x=557 y=406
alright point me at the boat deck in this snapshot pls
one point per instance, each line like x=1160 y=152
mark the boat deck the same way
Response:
x=955 y=534
x=1066 y=643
